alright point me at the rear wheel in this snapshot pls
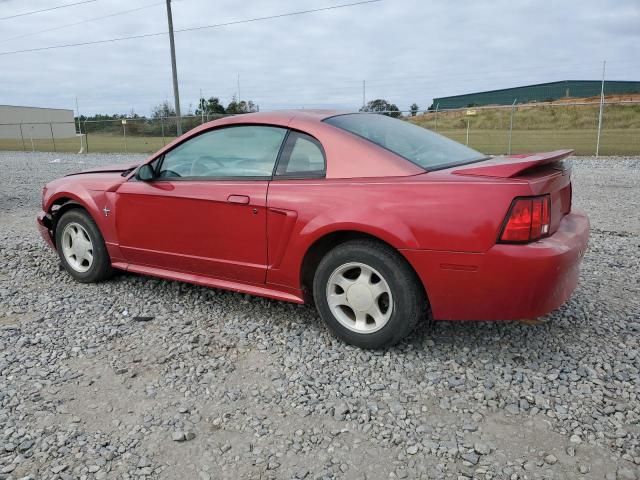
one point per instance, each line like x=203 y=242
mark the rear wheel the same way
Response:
x=81 y=247
x=367 y=294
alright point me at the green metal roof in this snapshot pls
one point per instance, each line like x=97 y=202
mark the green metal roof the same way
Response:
x=541 y=92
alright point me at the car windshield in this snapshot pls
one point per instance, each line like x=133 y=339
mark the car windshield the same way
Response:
x=418 y=145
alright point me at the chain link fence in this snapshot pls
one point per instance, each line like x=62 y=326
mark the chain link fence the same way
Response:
x=140 y=135
x=144 y=135
x=40 y=137
x=541 y=127
x=491 y=130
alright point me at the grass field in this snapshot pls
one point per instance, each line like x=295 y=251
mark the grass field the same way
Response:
x=494 y=141
x=536 y=127
x=96 y=143
x=535 y=117
x=612 y=142
x=540 y=127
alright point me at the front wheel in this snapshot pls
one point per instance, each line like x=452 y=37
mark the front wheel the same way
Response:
x=368 y=294
x=81 y=247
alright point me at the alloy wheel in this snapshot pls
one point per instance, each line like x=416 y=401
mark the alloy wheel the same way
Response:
x=359 y=297
x=77 y=247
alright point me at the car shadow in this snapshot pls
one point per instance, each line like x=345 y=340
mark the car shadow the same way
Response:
x=449 y=336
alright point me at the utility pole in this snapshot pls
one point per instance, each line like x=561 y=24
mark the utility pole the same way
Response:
x=176 y=94
x=604 y=66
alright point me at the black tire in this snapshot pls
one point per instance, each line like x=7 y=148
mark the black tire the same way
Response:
x=409 y=303
x=100 y=268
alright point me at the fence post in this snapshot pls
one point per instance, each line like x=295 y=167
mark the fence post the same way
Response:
x=513 y=108
x=468 y=122
x=80 y=133
x=436 y=126
x=22 y=137
x=162 y=129
x=52 y=139
x=33 y=148
x=86 y=135
x=604 y=65
x=124 y=134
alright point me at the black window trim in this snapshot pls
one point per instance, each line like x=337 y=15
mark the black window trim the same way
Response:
x=300 y=175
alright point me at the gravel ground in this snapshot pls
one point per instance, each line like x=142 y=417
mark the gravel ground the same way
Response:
x=222 y=385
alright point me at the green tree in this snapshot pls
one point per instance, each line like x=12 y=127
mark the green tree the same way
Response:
x=414 y=109
x=241 y=106
x=212 y=106
x=382 y=106
x=164 y=109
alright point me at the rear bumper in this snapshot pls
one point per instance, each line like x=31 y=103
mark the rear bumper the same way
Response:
x=508 y=282
x=45 y=223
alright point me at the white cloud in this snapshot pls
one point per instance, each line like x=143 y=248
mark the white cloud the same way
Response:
x=407 y=50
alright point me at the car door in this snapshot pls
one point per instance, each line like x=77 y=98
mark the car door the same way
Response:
x=297 y=195
x=204 y=211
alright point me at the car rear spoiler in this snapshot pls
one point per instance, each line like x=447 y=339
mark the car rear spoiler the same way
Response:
x=512 y=165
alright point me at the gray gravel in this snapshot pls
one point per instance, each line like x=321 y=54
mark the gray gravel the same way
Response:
x=222 y=385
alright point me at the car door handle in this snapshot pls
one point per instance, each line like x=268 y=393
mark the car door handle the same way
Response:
x=241 y=199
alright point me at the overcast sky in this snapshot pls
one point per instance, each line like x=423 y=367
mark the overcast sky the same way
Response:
x=406 y=50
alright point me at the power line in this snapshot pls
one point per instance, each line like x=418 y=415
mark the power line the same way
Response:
x=421 y=80
x=281 y=15
x=47 y=9
x=80 y=22
x=398 y=85
x=395 y=84
x=190 y=29
x=406 y=82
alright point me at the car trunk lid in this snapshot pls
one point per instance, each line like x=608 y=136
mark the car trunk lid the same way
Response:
x=544 y=172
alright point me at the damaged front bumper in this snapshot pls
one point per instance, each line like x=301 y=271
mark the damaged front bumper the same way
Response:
x=45 y=227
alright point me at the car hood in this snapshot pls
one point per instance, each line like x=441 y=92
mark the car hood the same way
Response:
x=106 y=179
x=107 y=169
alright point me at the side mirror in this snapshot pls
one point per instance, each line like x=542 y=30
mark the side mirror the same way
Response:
x=145 y=173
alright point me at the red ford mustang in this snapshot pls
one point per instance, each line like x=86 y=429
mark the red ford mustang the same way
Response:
x=375 y=220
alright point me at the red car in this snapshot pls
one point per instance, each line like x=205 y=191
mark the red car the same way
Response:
x=378 y=222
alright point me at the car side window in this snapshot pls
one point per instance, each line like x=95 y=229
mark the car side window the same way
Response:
x=302 y=156
x=238 y=151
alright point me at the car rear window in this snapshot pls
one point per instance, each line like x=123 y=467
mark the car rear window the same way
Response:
x=418 y=145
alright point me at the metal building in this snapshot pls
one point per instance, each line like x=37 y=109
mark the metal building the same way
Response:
x=36 y=122
x=541 y=92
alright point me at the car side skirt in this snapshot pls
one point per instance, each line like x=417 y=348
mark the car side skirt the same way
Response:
x=274 y=292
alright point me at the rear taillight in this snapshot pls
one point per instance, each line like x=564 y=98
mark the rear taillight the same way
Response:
x=528 y=220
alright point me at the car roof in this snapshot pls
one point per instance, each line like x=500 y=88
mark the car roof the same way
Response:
x=366 y=159
x=281 y=117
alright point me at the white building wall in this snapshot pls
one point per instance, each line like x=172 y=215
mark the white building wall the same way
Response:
x=37 y=123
